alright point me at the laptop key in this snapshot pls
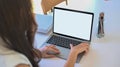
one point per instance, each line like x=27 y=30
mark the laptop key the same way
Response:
x=61 y=41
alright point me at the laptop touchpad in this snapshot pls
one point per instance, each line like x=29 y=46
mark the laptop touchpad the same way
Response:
x=64 y=52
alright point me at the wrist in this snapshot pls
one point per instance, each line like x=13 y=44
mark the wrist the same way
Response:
x=42 y=52
x=71 y=59
x=37 y=54
x=72 y=56
x=75 y=53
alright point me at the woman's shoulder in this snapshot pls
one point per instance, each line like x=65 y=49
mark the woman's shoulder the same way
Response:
x=10 y=58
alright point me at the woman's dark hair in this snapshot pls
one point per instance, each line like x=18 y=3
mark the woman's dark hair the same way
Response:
x=16 y=22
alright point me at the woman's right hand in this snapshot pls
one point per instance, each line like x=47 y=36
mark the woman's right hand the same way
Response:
x=79 y=48
x=75 y=50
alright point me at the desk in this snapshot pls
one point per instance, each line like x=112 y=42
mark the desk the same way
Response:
x=104 y=52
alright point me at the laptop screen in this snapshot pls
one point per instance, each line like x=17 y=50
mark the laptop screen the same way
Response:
x=73 y=23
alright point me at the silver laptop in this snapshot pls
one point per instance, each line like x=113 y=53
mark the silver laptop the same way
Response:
x=70 y=27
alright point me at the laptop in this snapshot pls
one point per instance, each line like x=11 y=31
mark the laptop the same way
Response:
x=70 y=27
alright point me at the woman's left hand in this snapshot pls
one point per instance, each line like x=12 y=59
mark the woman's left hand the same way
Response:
x=49 y=51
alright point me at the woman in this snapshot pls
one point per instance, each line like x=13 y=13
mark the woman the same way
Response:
x=17 y=29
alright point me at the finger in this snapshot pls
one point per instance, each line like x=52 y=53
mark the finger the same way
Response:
x=71 y=46
x=49 y=56
x=53 y=50
x=86 y=51
x=53 y=47
x=86 y=47
x=84 y=44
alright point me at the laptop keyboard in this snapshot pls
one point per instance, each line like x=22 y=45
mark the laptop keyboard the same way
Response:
x=60 y=41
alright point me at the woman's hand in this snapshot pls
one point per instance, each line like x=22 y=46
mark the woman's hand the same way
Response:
x=79 y=48
x=49 y=51
x=75 y=50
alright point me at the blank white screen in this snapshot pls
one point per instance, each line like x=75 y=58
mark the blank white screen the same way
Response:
x=73 y=24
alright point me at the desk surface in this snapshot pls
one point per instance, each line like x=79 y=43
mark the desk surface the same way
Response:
x=104 y=52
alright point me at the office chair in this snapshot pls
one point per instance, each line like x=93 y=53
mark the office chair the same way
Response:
x=47 y=5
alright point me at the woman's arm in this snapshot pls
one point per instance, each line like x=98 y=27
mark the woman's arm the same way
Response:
x=75 y=50
x=71 y=60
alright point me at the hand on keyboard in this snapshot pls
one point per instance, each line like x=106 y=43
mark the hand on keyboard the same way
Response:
x=49 y=51
x=79 y=48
